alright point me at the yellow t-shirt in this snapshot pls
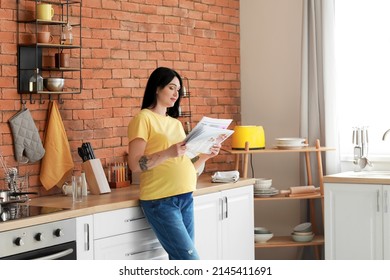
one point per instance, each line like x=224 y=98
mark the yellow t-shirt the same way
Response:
x=175 y=175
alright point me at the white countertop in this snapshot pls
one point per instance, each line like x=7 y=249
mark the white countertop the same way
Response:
x=360 y=177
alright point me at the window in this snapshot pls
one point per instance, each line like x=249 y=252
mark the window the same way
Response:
x=362 y=48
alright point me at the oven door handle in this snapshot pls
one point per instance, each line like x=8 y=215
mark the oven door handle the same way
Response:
x=56 y=255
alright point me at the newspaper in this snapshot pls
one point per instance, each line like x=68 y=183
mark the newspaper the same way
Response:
x=208 y=132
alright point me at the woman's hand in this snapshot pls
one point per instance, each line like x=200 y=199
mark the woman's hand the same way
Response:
x=215 y=150
x=177 y=150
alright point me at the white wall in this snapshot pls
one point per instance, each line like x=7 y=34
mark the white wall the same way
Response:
x=270 y=90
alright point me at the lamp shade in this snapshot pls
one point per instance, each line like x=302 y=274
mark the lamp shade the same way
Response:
x=252 y=134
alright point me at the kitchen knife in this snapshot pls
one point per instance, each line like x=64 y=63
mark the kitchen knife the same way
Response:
x=86 y=151
x=81 y=153
x=90 y=149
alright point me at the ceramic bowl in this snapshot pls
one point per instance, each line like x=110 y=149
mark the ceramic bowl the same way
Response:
x=304 y=227
x=262 y=183
x=54 y=84
x=302 y=233
x=263 y=237
x=262 y=230
x=302 y=238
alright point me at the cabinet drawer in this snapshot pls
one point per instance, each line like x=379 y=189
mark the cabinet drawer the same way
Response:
x=118 y=222
x=139 y=245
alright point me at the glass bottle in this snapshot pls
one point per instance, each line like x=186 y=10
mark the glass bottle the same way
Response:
x=67 y=35
x=35 y=82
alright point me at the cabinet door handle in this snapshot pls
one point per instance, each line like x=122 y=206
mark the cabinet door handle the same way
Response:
x=226 y=206
x=133 y=219
x=143 y=251
x=86 y=237
x=221 y=209
x=386 y=207
x=377 y=200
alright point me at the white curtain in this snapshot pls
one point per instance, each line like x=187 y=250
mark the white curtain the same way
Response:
x=318 y=100
x=318 y=112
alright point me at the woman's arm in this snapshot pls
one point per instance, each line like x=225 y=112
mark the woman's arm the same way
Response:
x=138 y=161
x=200 y=159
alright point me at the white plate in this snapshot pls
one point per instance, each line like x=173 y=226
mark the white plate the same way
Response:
x=265 y=194
x=270 y=190
x=291 y=147
x=290 y=140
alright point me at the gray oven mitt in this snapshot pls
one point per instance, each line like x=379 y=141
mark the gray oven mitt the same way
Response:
x=27 y=142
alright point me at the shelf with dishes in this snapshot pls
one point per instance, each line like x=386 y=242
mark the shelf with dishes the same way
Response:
x=302 y=235
x=269 y=193
x=263 y=190
x=286 y=241
x=242 y=156
x=49 y=48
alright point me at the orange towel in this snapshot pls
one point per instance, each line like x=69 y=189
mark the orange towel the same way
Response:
x=57 y=163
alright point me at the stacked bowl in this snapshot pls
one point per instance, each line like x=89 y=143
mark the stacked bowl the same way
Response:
x=303 y=233
x=262 y=234
x=263 y=188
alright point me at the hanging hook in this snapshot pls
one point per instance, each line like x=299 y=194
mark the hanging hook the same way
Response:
x=41 y=101
x=31 y=99
x=23 y=102
x=60 y=100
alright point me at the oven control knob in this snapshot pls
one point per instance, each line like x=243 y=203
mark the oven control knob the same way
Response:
x=58 y=232
x=39 y=236
x=19 y=241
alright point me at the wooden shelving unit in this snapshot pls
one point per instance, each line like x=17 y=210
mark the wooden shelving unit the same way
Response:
x=241 y=160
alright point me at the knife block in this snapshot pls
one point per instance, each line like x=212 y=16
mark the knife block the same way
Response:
x=96 y=178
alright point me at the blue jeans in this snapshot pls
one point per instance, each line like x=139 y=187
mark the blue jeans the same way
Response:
x=172 y=220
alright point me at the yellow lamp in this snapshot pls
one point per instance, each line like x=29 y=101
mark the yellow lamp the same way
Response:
x=252 y=134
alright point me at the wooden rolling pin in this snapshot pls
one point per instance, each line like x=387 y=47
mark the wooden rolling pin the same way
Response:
x=300 y=190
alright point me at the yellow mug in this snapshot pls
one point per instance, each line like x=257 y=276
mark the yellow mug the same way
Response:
x=45 y=11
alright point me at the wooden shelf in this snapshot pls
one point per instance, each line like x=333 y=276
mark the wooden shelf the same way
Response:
x=244 y=154
x=317 y=195
x=276 y=150
x=286 y=241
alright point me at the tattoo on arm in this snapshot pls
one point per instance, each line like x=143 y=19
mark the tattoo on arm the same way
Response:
x=195 y=159
x=143 y=163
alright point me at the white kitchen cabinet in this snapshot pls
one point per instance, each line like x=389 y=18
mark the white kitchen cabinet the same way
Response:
x=224 y=224
x=357 y=222
x=84 y=237
x=137 y=245
x=125 y=234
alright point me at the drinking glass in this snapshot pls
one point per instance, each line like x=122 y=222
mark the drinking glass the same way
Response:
x=77 y=188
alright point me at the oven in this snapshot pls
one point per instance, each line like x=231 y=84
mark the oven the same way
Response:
x=50 y=241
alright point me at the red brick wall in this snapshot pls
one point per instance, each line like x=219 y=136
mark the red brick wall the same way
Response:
x=123 y=41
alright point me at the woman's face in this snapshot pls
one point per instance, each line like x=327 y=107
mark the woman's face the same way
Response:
x=168 y=95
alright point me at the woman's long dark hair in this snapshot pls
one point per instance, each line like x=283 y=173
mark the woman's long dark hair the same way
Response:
x=159 y=78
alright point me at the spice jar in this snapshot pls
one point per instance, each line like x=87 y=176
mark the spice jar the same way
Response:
x=67 y=35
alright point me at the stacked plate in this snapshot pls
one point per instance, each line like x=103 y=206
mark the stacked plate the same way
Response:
x=265 y=192
x=290 y=143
